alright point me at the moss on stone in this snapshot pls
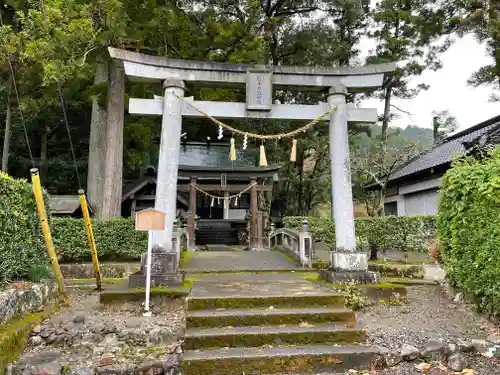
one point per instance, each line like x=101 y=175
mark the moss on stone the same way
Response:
x=137 y=294
x=401 y=261
x=410 y=281
x=210 y=321
x=316 y=279
x=185 y=258
x=398 y=270
x=117 y=270
x=202 y=273
x=384 y=291
x=66 y=367
x=265 y=302
x=303 y=364
x=14 y=335
x=106 y=280
x=153 y=350
x=318 y=265
x=261 y=339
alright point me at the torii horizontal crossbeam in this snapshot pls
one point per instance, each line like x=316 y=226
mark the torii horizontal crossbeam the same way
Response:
x=228 y=110
x=153 y=68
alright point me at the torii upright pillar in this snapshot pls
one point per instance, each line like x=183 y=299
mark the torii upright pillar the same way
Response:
x=347 y=263
x=168 y=162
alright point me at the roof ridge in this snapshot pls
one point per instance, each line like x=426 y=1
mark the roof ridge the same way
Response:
x=470 y=129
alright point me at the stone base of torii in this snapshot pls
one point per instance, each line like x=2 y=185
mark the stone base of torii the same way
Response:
x=347 y=263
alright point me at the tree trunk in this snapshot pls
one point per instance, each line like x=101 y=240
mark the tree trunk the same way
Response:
x=6 y=140
x=95 y=175
x=113 y=160
x=373 y=250
x=44 y=165
x=387 y=113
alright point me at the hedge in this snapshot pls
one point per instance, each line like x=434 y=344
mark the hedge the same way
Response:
x=469 y=229
x=403 y=233
x=22 y=250
x=116 y=239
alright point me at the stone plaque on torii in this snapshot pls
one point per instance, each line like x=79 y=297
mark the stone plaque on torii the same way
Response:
x=346 y=260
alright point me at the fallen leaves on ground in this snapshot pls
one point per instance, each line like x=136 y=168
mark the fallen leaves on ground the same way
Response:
x=426 y=367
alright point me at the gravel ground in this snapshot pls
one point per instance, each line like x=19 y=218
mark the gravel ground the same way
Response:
x=480 y=365
x=429 y=314
x=84 y=331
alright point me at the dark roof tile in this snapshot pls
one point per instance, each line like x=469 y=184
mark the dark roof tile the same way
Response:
x=214 y=156
x=450 y=147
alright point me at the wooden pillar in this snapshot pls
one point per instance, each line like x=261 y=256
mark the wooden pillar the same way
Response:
x=191 y=221
x=253 y=214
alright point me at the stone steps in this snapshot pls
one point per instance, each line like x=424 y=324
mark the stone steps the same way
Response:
x=242 y=326
x=255 y=336
x=240 y=302
x=269 y=360
x=255 y=317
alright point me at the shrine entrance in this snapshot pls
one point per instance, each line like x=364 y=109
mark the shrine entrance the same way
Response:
x=260 y=84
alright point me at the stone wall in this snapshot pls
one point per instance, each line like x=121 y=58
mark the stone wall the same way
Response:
x=27 y=298
x=111 y=270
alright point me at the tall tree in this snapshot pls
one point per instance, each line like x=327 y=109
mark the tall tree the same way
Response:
x=482 y=19
x=406 y=31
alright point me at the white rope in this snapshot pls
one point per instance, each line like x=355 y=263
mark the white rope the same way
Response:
x=228 y=197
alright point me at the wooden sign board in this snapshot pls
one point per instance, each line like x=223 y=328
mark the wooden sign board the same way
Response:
x=149 y=219
x=259 y=92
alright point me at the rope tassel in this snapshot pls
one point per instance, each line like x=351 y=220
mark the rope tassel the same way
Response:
x=263 y=159
x=293 y=154
x=232 y=150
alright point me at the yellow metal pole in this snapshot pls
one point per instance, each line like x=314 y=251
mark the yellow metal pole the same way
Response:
x=90 y=237
x=42 y=214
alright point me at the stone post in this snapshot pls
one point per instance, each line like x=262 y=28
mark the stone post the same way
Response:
x=273 y=228
x=226 y=205
x=191 y=231
x=253 y=214
x=349 y=263
x=168 y=164
x=260 y=230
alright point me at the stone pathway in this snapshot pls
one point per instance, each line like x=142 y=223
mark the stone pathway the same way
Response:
x=237 y=261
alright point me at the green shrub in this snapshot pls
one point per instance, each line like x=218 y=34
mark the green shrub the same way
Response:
x=115 y=239
x=21 y=241
x=38 y=271
x=389 y=232
x=469 y=229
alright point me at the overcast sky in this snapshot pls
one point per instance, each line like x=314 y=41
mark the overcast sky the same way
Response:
x=448 y=89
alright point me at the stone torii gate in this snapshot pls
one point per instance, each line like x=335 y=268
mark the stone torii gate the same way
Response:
x=259 y=84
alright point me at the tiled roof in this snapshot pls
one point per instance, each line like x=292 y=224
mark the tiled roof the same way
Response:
x=129 y=187
x=63 y=204
x=214 y=156
x=455 y=145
